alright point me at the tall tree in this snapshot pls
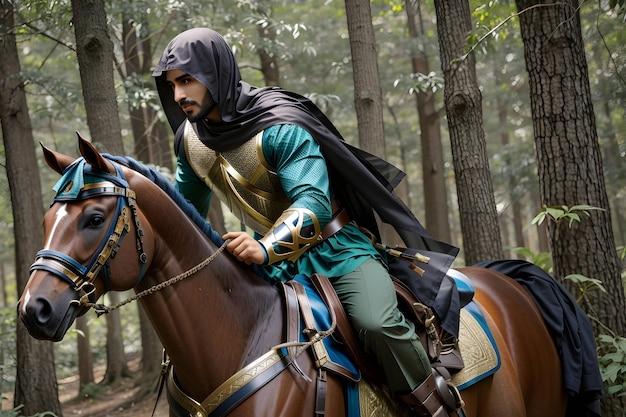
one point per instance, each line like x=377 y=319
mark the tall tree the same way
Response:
x=85 y=355
x=151 y=135
x=367 y=90
x=151 y=139
x=36 y=384
x=433 y=175
x=569 y=160
x=463 y=102
x=94 y=50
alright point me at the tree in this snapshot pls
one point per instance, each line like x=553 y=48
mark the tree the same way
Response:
x=151 y=138
x=569 y=160
x=85 y=356
x=433 y=176
x=151 y=135
x=367 y=91
x=463 y=102
x=94 y=50
x=36 y=385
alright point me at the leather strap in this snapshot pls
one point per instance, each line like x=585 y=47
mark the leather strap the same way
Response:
x=320 y=397
x=310 y=330
x=293 y=313
x=339 y=220
x=346 y=332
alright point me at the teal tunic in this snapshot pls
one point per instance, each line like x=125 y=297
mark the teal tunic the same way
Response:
x=298 y=162
x=354 y=266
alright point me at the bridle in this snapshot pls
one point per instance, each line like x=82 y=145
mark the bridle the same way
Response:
x=81 y=277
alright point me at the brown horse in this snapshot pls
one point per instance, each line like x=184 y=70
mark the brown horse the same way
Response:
x=223 y=317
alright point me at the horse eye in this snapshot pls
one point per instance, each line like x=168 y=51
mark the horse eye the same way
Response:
x=96 y=221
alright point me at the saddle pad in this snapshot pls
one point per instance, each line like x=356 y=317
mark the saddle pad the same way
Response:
x=321 y=314
x=478 y=348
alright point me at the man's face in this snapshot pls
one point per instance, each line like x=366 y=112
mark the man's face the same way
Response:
x=192 y=96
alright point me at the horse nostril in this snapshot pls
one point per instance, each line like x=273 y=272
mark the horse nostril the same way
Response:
x=41 y=310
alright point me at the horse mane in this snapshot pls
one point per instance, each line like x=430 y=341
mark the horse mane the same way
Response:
x=164 y=184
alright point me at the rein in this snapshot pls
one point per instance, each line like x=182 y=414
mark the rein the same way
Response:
x=101 y=309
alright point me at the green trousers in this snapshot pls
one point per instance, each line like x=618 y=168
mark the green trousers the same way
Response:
x=369 y=298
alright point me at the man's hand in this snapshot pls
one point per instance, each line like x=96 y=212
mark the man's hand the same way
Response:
x=245 y=248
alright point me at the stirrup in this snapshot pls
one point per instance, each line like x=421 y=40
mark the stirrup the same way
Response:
x=435 y=397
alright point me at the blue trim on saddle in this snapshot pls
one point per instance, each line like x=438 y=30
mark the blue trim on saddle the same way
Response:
x=474 y=309
x=323 y=322
x=463 y=285
x=333 y=347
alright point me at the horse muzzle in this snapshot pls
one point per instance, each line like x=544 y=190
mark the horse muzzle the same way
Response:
x=49 y=316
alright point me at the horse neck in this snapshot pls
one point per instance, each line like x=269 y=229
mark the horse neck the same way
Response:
x=215 y=321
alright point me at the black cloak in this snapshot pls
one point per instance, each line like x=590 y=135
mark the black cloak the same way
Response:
x=363 y=183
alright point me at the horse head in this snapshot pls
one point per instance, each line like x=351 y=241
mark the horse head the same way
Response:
x=84 y=229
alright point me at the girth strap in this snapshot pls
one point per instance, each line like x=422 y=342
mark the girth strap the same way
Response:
x=233 y=391
x=245 y=382
x=318 y=348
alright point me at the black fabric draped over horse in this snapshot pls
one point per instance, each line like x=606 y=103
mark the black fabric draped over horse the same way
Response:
x=231 y=337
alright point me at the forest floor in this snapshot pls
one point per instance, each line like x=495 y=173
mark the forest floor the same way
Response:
x=111 y=401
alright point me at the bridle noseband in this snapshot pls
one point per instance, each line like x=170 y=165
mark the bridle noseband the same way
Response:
x=81 y=277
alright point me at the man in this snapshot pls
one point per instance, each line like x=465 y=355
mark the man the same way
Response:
x=283 y=169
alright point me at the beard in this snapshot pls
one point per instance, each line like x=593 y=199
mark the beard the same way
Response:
x=206 y=107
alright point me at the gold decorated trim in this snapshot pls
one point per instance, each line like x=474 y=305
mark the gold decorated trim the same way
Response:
x=225 y=390
x=476 y=349
x=240 y=178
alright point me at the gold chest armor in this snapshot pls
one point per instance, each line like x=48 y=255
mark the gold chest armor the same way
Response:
x=241 y=178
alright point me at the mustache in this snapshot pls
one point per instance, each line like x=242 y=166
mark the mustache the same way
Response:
x=187 y=101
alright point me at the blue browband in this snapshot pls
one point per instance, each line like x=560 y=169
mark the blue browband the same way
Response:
x=78 y=182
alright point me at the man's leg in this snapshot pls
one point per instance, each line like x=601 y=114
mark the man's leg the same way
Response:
x=369 y=298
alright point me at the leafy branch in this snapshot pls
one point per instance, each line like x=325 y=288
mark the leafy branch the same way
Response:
x=559 y=214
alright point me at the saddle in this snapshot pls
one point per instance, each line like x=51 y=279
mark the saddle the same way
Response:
x=441 y=347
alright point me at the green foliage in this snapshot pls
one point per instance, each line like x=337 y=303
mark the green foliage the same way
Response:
x=542 y=259
x=15 y=412
x=613 y=363
x=584 y=284
x=92 y=391
x=559 y=214
x=11 y=413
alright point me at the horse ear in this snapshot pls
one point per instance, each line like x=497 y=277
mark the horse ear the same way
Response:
x=58 y=162
x=92 y=156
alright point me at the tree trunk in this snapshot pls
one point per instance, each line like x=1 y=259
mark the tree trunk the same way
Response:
x=269 y=65
x=116 y=359
x=434 y=183
x=514 y=194
x=94 y=50
x=569 y=160
x=36 y=385
x=367 y=90
x=85 y=357
x=463 y=102
x=150 y=135
x=543 y=241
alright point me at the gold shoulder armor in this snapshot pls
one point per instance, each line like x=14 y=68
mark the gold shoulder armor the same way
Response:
x=296 y=230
